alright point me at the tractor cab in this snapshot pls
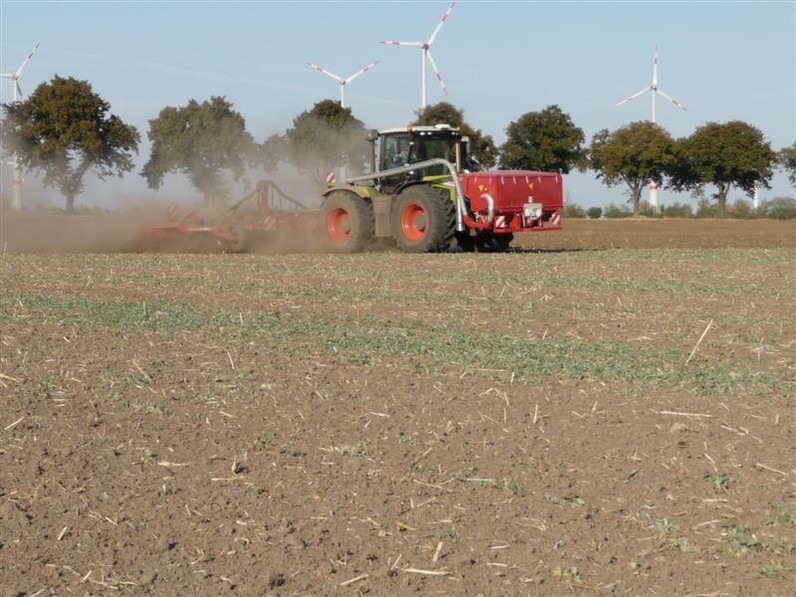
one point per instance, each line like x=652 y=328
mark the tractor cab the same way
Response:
x=394 y=148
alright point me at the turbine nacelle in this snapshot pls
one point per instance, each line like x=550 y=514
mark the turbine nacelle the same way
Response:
x=655 y=90
x=343 y=82
x=16 y=75
x=426 y=47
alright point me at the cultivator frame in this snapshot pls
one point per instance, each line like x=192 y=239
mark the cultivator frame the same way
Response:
x=259 y=214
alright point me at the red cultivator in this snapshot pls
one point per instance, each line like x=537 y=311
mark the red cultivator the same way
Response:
x=258 y=217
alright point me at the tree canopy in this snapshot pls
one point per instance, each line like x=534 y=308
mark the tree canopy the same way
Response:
x=787 y=161
x=65 y=130
x=482 y=146
x=733 y=153
x=203 y=141
x=634 y=155
x=546 y=140
x=322 y=138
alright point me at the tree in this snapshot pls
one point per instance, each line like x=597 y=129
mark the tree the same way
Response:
x=481 y=146
x=65 y=130
x=734 y=153
x=546 y=140
x=594 y=213
x=272 y=151
x=203 y=141
x=634 y=155
x=677 y=210
x=323 y=138
x=787 y=161
x=779 y=208
x=616 y=212
x=572 y=210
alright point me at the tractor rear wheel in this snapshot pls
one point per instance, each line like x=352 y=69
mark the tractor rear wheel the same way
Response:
x=347 y=220
x=423 y=220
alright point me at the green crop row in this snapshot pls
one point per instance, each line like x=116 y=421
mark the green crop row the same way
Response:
x=371 y=340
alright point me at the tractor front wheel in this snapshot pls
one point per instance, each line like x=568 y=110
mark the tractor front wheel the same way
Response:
x=423 y=220
x=347 y=220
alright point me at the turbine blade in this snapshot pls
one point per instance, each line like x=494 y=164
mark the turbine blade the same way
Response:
x=414 y=44
x=436 y=71
x=25 y=62
x=326 y=72
x=20 y=95
x=361 y=71
x=672 y=100
x=655 y=68
x=441 y=23
x=635 y=95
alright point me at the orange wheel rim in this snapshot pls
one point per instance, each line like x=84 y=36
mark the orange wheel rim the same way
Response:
x=338 y=225
x=413 y=222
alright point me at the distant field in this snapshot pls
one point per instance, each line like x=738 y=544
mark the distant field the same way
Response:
x=43 y=232
x=607 y=410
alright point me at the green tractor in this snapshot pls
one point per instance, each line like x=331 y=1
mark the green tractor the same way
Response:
x=427 y=193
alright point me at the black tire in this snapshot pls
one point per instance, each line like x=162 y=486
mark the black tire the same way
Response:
x=422 y=220
x=493 y=243
x=465 y=242
x=347 y=222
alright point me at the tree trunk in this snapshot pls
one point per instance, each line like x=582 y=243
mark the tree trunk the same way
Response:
x=724 y=190
x=635 y=198
x=70 y=204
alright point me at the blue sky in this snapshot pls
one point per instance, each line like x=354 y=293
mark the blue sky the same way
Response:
x=723 y=60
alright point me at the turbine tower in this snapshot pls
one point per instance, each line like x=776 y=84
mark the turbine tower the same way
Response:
x=426 y=56
x=655 y=91
x=343 y=82
x=16 y=181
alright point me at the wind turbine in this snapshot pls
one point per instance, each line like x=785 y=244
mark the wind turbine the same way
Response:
x=343 y=82
x=426 y=47
x=655 y=91
x=16 y=181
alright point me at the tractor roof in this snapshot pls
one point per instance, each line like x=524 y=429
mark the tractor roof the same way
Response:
x=419 y=129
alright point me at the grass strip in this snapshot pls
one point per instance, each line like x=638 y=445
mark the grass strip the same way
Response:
x=369 y=341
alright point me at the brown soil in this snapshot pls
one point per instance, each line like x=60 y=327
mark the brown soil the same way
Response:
x=59 y=233
x=204 y=459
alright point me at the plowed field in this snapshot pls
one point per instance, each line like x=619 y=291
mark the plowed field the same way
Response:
x=608 y=410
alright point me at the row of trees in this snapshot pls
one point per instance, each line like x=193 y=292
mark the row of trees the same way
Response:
x=778 y=208
x=64 y=130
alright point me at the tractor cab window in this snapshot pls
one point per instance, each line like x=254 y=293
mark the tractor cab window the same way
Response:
x=430 y=147
x=396 y=151
x=434 y=147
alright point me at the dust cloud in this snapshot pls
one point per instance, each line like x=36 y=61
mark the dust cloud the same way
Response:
x=144 y=226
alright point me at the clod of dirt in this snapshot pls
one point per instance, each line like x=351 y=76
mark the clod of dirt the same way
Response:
x=94 y=420
x=12 y=513
x=166 y=544
x=678 y=428
x=276 y=579
x=148 y=578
